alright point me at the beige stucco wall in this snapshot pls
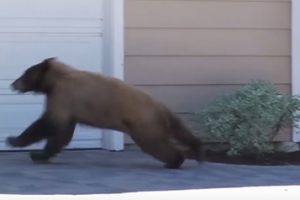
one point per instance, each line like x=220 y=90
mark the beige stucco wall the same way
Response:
x=187 y=52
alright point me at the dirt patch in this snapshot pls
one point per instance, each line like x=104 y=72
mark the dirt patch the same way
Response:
x=276 y=158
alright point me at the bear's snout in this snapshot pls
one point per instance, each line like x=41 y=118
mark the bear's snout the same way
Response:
x=13 y=85
x=17 y=86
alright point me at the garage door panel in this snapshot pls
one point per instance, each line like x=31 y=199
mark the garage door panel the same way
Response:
x=70 y=30
x=84 y=132
x=5 y=90
x=31 y=38
x=26 y=114
x=94 y=134
x=8 y=96
x=84 y=55
x=91 y=28
x=18 y=25
x=4 y=83
x=21 y=99
x=51 y=9
x=74 y=144
x=19 y=115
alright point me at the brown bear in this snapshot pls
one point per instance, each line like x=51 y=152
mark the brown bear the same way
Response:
x=92 y=99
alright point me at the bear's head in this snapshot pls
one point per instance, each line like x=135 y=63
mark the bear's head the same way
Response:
x=32 y=78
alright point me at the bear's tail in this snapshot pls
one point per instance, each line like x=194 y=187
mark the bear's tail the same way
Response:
x=184 y=140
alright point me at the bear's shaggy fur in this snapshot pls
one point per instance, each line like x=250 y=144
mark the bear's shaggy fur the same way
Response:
x=76 y=96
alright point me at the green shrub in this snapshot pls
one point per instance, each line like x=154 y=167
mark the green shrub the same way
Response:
x=249 y=117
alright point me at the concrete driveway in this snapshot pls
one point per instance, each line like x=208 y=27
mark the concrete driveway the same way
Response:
x=102 y=172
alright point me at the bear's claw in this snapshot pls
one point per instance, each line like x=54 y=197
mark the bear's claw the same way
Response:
x=38 y=157
x=12 y=141
x=174 y=165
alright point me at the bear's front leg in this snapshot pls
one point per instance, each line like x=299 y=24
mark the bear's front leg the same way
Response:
x=40 y=129
x=54 y=145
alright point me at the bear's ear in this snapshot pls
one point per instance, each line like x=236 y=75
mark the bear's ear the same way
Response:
x=46 y=64
x=51 y=58
x=47 y=61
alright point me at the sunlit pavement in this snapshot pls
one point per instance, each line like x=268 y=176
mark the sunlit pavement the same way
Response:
x=132 y=174
x=274 y=192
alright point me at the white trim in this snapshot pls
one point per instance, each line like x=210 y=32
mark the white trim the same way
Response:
x=113 y=62
x=295 y=55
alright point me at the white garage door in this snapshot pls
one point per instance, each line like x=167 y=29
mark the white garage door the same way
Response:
x=32 y=30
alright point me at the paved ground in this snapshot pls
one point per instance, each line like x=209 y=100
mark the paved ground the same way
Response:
x=103 y=172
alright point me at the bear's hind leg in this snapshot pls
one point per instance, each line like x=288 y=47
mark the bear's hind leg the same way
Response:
x=40 y=129
x=55 y=144
x=164 y=152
